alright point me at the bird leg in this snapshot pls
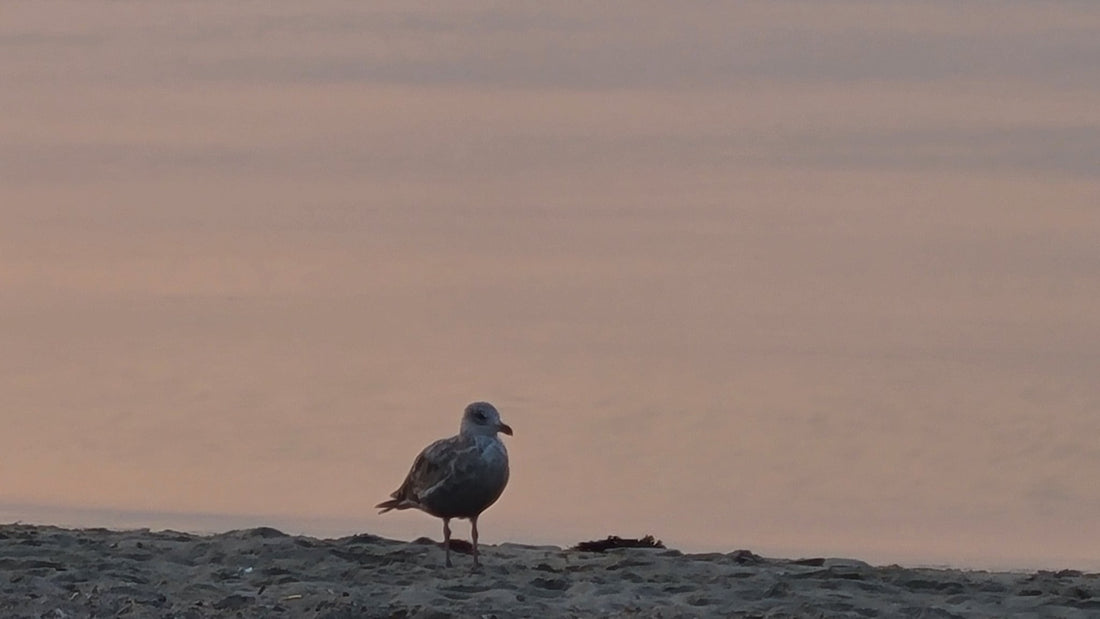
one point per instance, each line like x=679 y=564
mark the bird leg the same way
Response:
x=473 y=536
x=447 y=539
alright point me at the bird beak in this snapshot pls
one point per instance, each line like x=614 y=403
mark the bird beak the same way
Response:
x=505 y=428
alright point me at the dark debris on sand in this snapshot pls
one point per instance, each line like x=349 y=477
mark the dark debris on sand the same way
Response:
x=614 y=541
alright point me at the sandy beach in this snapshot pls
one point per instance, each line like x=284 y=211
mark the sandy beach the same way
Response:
x=55 y=572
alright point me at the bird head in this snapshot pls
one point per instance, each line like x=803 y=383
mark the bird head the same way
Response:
x=482 y=418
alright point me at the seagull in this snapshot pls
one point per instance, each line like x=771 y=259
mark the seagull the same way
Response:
x=458 y=477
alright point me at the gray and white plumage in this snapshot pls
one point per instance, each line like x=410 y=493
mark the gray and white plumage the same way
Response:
x=458 y=477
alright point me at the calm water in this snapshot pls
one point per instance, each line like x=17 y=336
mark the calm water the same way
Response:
x=807 y=279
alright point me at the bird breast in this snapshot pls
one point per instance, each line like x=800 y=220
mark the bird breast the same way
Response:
x=493 y=452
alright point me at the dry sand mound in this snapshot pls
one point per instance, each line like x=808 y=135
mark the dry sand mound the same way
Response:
x=52 y=572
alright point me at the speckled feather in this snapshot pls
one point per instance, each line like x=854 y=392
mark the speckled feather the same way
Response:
x=455 y=477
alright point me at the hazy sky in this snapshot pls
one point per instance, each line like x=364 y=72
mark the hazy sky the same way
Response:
x=806 y=278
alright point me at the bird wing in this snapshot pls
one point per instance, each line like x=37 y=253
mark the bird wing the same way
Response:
x=438 y=463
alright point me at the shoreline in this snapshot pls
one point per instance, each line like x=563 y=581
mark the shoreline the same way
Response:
x=213 y=523
x=48 y=571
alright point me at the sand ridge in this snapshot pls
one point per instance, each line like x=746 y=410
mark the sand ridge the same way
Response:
x=53 y=572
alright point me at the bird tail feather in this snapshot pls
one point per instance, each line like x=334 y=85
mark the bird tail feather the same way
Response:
x=386 y=506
